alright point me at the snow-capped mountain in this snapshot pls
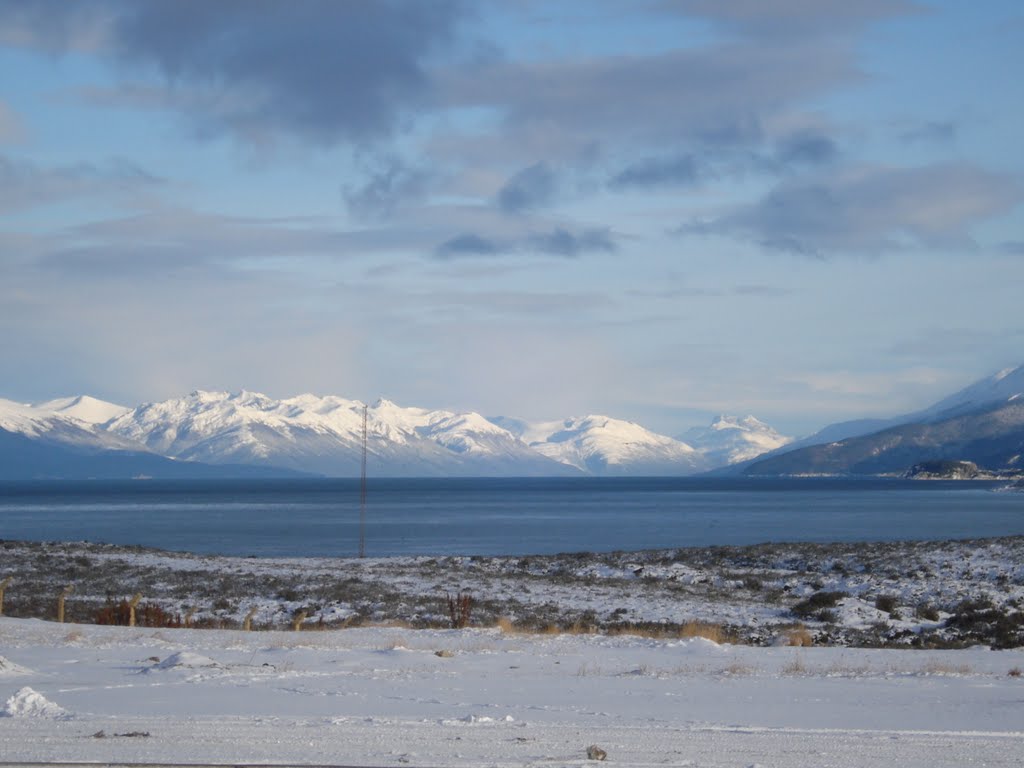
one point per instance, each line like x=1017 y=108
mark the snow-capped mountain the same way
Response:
x=729 y=440
x=983 y=423
x=1001 y=387
x=324 y=435
x=83 y=408
x=64 y=439
x=55 y=425
x=600 y=445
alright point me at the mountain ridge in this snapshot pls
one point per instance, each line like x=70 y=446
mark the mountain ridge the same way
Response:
x=313 y=434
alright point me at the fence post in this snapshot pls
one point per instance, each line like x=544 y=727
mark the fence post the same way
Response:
x=131 y=608
x=247 y=624
x=60 y=602
x=297 y=621
x=3 y=586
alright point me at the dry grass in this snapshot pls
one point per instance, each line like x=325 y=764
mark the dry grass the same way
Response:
x=797 y=636
x=1015 y=672
x=737 y=670
x=714 y=632
x=941 y=669
x=795 y=667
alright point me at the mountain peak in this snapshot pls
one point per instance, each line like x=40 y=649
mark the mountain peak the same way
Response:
x=83 y=408
x=729 y=439
x=1000 y=387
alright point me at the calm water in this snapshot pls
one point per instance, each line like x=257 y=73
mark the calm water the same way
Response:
x=522 y=516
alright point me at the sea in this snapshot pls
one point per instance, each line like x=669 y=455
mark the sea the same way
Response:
x=324 y=518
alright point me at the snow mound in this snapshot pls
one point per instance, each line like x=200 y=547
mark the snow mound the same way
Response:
x=8 y=667
x=701 y=645
x=478 y=720
x=185 y=660
x=29 y=703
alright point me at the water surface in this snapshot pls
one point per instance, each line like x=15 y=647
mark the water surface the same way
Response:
x=301 y=518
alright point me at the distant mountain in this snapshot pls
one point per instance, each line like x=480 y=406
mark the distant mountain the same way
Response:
x=83 y=408
x=991 y=390
x=1002 y=387
x=983 y=423
x=324 y=435
x=38 y=442
x=729 y=440
x=600 y=445
x=55 y=428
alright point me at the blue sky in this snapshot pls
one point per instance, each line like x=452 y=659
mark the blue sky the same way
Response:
x=804 y=209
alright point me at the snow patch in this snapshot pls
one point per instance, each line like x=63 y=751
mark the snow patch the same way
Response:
x=9 y=668
x=186 y=660
x=29 y=703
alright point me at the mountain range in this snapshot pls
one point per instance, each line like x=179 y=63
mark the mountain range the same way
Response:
x=982 y=423
x=247 y=434
x=204 y=433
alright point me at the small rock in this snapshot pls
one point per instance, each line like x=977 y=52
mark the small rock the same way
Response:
x=594 y=752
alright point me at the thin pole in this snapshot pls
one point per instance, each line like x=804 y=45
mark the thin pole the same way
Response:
x=362 y=494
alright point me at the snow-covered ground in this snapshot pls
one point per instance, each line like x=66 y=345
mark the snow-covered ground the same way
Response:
x=384 y=696
x=922 y=594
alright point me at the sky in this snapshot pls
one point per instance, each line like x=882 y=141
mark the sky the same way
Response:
x=660 y=210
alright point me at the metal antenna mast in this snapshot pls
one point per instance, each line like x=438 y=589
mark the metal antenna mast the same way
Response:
x=362 y=494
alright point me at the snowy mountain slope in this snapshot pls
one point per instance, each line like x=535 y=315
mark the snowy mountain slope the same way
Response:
x=324 y=435
x=84 y=408
x=601 y=445
x=48 y=425
x=1000 y=387
x=1004 y=387
x=729 y=440
x=992 y=437
x=38 y=442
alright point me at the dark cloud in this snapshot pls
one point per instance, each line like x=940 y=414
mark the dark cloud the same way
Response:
x=558 y=242
x=870 y=210
x=321 y=70
x=678 y=170
x=715 y=96
x=25 y=185
x=932 y=132
x=806 y=149
x=532 y=187
x=562 y=242
x=387 y=188
x=467 y=245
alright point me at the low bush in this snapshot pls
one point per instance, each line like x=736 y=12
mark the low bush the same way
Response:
x=817 y=606
x=981 y=621
x=886 y=603
x=146 y=615
x=460 y=609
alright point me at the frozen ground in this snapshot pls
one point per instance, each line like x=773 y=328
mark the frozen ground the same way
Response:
x=478 y=697
x=919 y=594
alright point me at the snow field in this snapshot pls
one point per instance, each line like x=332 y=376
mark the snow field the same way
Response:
x=385 y=696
